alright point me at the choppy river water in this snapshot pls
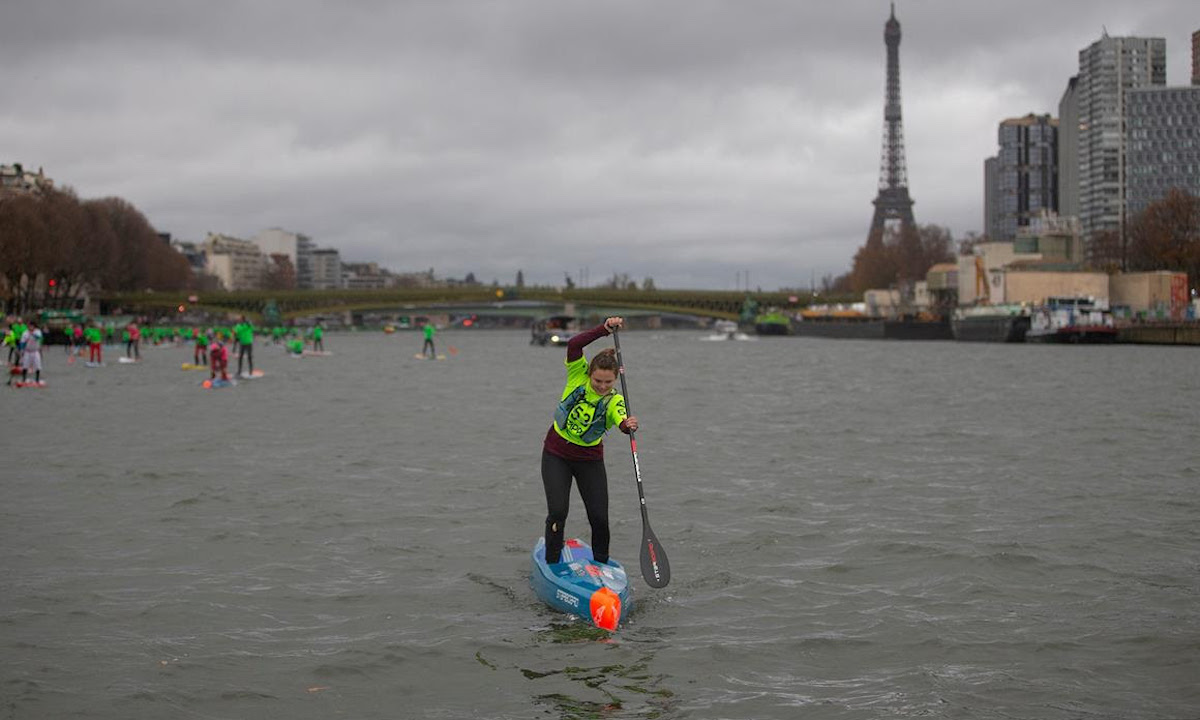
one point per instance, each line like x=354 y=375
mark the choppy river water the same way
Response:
x=856 y=529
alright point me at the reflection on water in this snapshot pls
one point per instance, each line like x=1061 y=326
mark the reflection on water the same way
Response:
x=628 y=688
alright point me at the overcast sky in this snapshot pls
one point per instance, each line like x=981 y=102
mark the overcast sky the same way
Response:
x=692 y=141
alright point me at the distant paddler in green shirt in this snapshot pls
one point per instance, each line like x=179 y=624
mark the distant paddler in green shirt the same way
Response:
x=95 y=350
x=296 y=347
x=10 y=342
x=427 y=347
x=244 y=332
x=277 y=334
x=318 y=335
x=19 y=328
x=200 y=346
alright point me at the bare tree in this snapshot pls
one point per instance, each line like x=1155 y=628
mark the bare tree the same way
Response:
x=900 y=258
x=1166 y=236
x=279 y=274
x=53 y=246
x=22 y=227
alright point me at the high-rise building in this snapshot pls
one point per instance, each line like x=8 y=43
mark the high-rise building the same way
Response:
x=1026 y=173
x=1068 y=151
x=1108 y=69
x=1196 y=58
x=991 y=198
x=1163 y=141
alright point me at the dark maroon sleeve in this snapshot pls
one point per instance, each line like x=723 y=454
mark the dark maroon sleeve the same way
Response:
x=577 y=343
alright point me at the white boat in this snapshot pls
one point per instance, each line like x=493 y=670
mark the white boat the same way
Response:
x=1072 y=320
x=726 y=330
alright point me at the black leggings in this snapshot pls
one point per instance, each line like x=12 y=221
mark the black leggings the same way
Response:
x=246 y=351
x=593 y=488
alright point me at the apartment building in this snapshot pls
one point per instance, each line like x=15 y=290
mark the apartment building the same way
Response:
x=1163 y=144
x=1022 y=180
x=1109 y=69
x=326 y=269
x=238 y=264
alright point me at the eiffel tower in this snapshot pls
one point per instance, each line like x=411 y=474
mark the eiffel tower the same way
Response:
x=893 y=201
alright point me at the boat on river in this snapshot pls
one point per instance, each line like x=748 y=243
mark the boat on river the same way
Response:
x=772 y=323
x=1072 y=320
x=726 y=330
x=553 y=330
x=991 y=323
x=920 y=327
x=839 y=321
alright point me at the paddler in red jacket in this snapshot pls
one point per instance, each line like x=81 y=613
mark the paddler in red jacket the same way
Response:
x=218 y=356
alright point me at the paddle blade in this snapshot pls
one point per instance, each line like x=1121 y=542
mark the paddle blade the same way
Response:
x=656 y=569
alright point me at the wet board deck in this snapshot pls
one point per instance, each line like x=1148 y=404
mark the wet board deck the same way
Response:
x=192 y=366
x=128 y=360
x=419 y=356
x=598 y=593
x=217 y=384
x=252 y=376
x=30 y=384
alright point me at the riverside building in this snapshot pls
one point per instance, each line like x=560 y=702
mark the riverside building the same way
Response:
x=1022 y=180
x=1109 y=69
x=1163 y=140
x=326 y=269
x=238 y=264
x=1068 y=150
x=1163 y=137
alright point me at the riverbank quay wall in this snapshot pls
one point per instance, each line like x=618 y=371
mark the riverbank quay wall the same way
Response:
x=1160 y=334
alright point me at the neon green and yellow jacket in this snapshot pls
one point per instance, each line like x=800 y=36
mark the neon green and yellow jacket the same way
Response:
x=583 y=415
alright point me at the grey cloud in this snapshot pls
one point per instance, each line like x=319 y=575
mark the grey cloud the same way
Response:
x=680 y=140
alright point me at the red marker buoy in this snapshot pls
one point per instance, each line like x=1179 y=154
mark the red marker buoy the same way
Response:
x=606 y=609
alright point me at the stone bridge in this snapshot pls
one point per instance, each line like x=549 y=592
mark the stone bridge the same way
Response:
x=292 y=304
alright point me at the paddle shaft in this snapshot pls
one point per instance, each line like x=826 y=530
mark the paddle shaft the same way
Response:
x=656 y=569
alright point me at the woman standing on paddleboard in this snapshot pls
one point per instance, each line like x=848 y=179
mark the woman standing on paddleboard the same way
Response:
x=573 y=448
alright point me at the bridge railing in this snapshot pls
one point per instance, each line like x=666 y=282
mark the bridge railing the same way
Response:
x=293 y=303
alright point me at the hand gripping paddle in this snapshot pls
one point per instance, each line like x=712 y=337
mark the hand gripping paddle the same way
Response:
x=656 y=569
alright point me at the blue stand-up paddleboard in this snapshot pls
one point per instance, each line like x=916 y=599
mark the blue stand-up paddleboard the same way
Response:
x=580 y=586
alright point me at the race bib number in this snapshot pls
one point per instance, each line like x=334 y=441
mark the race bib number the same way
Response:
x=579 y=419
